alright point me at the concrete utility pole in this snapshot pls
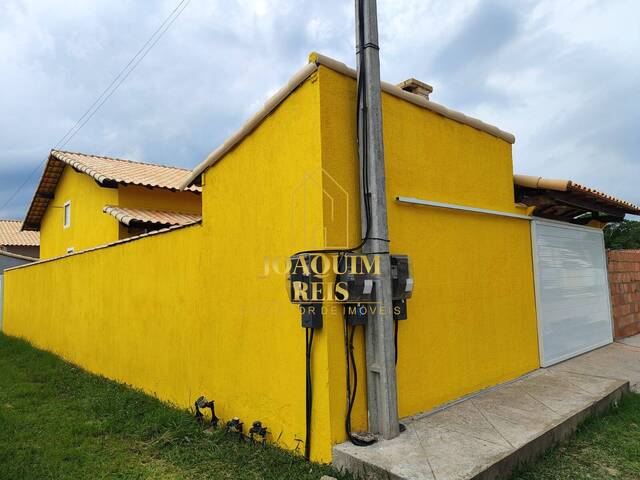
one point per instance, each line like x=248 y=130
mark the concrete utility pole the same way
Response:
x=382 y=393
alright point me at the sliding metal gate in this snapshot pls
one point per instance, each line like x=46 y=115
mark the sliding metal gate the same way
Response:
x=572 y=290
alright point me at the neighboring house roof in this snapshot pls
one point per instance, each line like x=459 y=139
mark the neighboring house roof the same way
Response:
x=566 y=198
x=11 y=234
x=107 y=172
x=315 y=61
x=4 y=253
x=132 y=216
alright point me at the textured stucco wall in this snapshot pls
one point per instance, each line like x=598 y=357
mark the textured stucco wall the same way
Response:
x=89 y=226
x=191 y=312
x=472 y=319
x=135 y=196
x=6 y=261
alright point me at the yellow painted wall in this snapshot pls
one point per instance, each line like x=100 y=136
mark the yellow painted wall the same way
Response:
x=89 y=225
x=263 y=201
x=191 y=312
x=130 y=312
x=472 y=317
x=135 y=196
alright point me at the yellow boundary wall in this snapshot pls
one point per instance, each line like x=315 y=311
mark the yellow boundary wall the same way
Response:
x=192 y=311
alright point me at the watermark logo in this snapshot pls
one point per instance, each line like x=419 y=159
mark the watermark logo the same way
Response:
x=319 y=277
x=311 y=214
x=329 y=274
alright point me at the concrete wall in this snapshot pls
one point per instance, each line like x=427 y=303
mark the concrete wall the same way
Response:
x=7 y=261
x=472 y=320
x=193 y=311
x=134 y=196
x=89 y=225
x=624 y=282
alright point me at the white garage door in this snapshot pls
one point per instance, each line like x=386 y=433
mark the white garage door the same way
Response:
x=572 y=290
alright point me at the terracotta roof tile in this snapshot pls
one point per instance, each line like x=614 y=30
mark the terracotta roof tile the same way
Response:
x=104 y=170
x=125 y=171
x=128 y=216
x=11 y=234
x=576 y=187
x=541 y=183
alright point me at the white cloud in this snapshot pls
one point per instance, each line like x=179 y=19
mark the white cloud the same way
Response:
x=562 y=76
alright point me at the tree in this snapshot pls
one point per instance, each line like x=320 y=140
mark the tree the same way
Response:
x=623 y=235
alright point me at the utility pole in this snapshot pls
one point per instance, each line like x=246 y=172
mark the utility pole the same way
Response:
x=382 y=395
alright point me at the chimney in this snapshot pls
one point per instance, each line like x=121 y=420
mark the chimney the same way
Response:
x=416 y=86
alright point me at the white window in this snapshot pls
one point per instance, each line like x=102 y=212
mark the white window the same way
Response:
x=67 y=214
x=70 y=250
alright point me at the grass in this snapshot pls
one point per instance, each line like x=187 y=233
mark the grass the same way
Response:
x=605 y=447
x=60 y=422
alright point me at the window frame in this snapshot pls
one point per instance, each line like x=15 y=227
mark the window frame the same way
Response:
x=66 y=219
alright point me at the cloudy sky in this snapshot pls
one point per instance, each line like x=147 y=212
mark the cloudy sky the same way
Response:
x=564 y=77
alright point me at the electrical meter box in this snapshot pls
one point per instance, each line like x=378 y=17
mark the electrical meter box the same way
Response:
x=305 y=288
x=358 y=278
x=401 y=285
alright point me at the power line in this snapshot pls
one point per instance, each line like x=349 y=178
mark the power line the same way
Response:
x=133 y=64
x=111 y=88
x=115 y=79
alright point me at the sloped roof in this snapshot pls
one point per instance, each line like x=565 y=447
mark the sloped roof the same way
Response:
x=541 y=183
x=11 y=234
x=107 y=172
x=4 y=253
x=315 y=61
x=130 y=216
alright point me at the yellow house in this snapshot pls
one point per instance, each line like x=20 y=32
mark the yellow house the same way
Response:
x=201 y=307
x=83 y=201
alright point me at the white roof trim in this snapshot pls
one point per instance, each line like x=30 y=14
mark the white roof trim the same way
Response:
x=253 y=122
x=418 y=100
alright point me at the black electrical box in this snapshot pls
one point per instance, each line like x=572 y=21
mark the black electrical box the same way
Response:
x=357 y=278
x=306 y=288
x=311 y=315
x=400 y=309
x=355 y=313
x=401 y=285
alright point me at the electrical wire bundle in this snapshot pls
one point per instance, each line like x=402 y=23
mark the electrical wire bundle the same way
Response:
x=361 y=142
x=309 y=396
x=355 y=438
x=362 y=145
x=362 y=122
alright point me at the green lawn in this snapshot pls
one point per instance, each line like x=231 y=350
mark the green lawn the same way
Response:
x=604 y=448
x=59 y=422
